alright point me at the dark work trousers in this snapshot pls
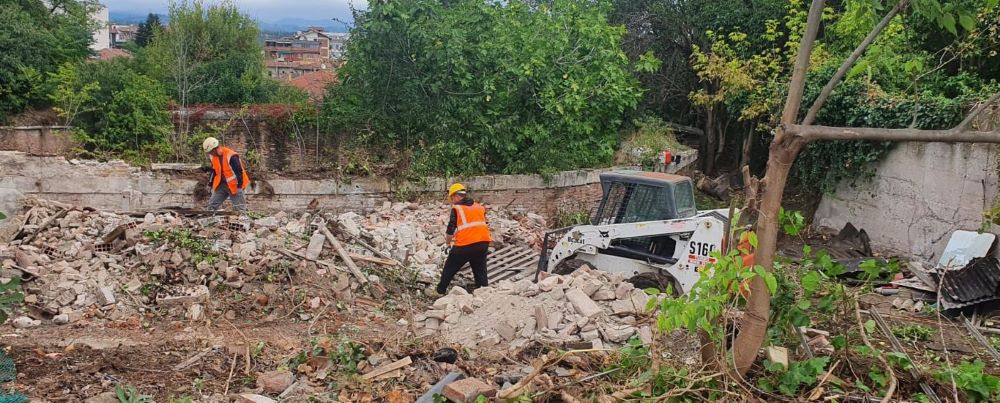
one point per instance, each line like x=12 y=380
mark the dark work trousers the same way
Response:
x=475 y=255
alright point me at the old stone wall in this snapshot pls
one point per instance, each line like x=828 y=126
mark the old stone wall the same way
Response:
x=921 y=194
x=47 y=140
x=265 y=135
x=118 y=186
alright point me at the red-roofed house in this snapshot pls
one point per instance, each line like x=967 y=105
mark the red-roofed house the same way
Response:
x=315 y=83
x=111 y=53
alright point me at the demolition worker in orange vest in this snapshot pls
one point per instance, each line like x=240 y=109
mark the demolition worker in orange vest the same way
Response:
x=228 y=179
x=468 y=236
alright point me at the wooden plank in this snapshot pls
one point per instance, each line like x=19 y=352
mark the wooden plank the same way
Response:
x=373 y=259
x=344 y=255
x=48 y=222
x=406 y=361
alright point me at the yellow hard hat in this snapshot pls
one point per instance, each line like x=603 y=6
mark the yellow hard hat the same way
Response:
x=209 y=144
x=458 y=187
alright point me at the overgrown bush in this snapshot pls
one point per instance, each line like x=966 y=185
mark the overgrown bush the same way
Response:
x=472 y=86
x=650 y=136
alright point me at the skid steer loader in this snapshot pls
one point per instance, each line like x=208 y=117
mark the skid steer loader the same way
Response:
x=646 y=227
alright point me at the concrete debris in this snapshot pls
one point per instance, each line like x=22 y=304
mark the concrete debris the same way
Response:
x=275 y=382
x=556 y=310
x=76 y=261
x=252 y=398
x=24 y=322
x=468 y=390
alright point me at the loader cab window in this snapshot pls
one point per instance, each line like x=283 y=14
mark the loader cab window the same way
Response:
x=647 y=203
x=684 y=198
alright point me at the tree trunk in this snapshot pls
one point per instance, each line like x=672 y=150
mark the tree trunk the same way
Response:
x=783 y=150
x=708 y=152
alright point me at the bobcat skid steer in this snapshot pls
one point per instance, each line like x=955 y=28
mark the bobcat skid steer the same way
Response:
x=646 y=227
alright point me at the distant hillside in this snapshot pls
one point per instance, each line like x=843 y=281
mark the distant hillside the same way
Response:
x=301 y=24
x=122 y=17
x=284 y=25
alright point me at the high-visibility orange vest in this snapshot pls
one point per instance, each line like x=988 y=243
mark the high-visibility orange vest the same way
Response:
x=471 y=225
x=224 y=170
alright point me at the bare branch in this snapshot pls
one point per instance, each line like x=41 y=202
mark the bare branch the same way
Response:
x=976 y=112
x=851 y=60
x=953 y=135
x=798 y=82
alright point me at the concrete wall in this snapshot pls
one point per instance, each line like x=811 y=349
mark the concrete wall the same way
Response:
x=920 y=195
x=118 y=186
x=37 y=139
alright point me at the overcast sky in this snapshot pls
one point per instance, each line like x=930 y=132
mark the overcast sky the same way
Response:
x=264 y=10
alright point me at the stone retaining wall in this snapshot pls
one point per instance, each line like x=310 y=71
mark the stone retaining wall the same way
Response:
x=922 y=192
x=47 y=140
x=118 y=186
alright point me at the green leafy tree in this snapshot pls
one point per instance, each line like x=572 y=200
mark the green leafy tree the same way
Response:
x=209 y=54
x=147 y=29
x=71 y=95
x=37 y=37
x=473 y=86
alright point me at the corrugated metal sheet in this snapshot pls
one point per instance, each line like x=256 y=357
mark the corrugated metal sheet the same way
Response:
x=977 y=282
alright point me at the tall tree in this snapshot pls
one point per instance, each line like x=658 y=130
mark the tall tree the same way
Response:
x=209 y=54
x=796 y=131
x=475 y=86
x=37 y=37
x=147 y=29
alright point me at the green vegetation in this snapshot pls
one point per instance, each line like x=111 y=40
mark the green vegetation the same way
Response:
x=471 y=87
x=129 y=394
x=9 y=296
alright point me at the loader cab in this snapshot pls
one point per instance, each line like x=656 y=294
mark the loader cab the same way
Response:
x=635 y=196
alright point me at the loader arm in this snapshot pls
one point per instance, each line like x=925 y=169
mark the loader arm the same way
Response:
x=695 y=238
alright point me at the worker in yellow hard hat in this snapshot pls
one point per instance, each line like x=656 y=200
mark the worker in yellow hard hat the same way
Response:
x=228 y=178
x=468 y=235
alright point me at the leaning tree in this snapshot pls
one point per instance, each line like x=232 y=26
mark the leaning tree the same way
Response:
x=793 y=134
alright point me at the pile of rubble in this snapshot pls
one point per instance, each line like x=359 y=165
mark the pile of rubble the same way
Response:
x=77 y=263
x=587 y=306
x=414 y=234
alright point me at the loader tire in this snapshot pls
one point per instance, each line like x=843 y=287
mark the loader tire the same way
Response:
x=568 y=266
x=658 y=281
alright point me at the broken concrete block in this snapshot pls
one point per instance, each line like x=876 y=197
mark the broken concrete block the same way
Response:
x=777 y=355
x=436 y=314
x=105 y=296
x=582 y=303
x=24 y=322
x=554 y=319
x=468 y=390
x=275 y=382
x=549 y=283
x=541 y=319
x=505 y=330
x=616 y=333
x=443 y=302
x=603 y=294
x=623 y=290
x=199 y=294
x=315 y=246
x=252 y=398
x=196 y=312
x=646 y=335
x=209 y=221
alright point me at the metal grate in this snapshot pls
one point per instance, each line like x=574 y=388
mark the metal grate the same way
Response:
x=549 y=243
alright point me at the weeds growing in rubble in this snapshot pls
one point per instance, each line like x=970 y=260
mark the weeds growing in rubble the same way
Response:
x=912 y=333
x=9 y=296
x=971 y=379
x=200 y=248
x=129 y=394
